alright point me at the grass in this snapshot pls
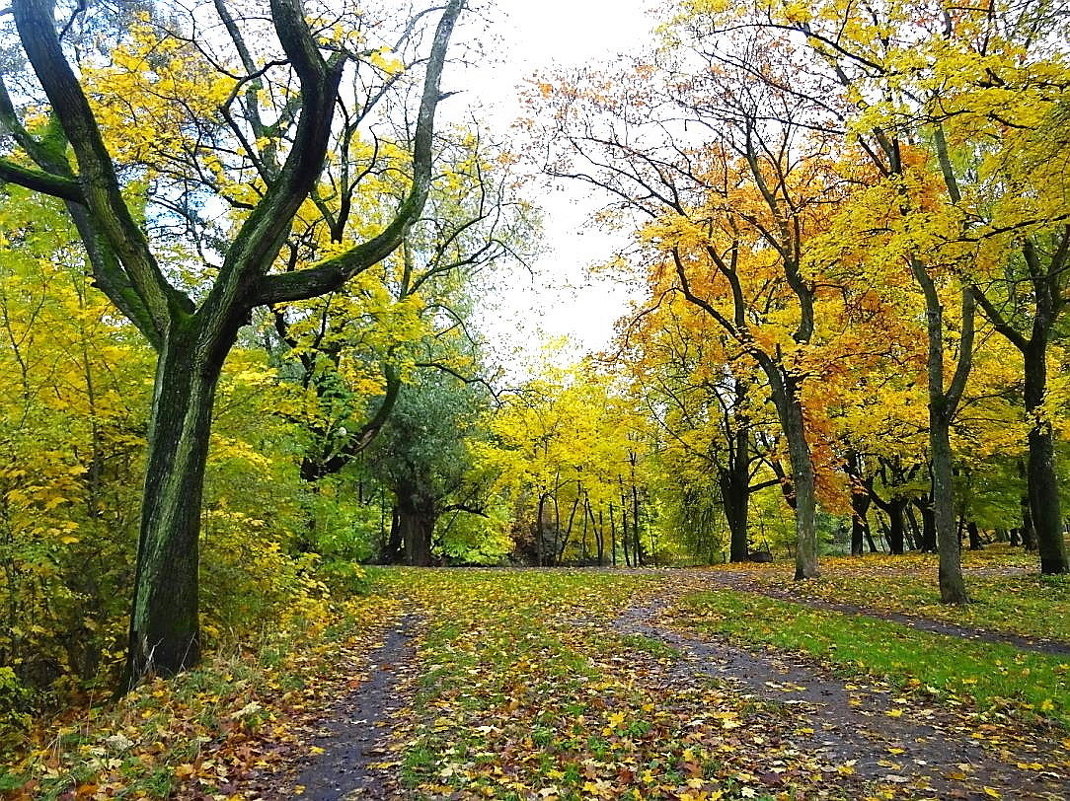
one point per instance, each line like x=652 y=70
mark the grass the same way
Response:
x=993 y=675
x=525 y=691
x=523 y=688
x=1009 y=593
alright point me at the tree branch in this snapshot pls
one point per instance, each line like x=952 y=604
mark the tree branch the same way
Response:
x=332 y=273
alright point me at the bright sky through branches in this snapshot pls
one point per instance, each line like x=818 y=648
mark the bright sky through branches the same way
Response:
x=531 y=37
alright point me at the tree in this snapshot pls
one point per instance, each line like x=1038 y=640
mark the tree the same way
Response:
x=424 y=457
x=568 y=450
x=730 y=213
x=277 y=101
x=968 y=97
x=708 y=407
x=352 y=351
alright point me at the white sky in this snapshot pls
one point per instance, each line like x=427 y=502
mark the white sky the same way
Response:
x=533 y=36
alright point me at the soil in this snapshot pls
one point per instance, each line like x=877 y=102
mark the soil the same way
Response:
x=354 y=759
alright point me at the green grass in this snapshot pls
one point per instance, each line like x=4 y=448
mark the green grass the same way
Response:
x=992 y=674
x=1009 y=593
x=650 y=645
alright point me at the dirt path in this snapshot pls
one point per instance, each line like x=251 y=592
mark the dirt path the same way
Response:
x=737 y=580
x=884 y=737
x=352 y=738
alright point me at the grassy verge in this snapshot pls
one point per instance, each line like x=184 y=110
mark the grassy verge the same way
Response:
x=993 y=676
x=1008 y=592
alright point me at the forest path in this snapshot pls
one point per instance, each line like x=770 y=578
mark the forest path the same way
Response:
x=884 y=736
x=349 y=750
x=743 y=581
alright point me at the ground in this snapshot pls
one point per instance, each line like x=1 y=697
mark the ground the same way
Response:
x=664 y=683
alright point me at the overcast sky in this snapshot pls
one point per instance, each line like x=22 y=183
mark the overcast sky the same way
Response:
x=533 y=36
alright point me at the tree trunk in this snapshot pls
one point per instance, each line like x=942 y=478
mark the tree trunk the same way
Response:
x=416 y=522
x=858 y=546
x=393 y=552
x=1029 y=535
x=164 y=636
x=612 y=537
x=600 y=538
x=860 y=501
x=637 y=543
x=586 y=551
x=563 y=545
x=952 y=584
x=1041 y=482
x=917 y=535
x=975 y=537
x=928 y=526
x=785 y=389
x=540 y=530
x=735 y=497
x=896 y=511
x=942 y=405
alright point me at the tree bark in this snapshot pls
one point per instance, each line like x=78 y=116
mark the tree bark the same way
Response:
x=416 y=522
x=928 y=526
x=192 y=341
x=860 y=501
x=637 y=545
x=540 y=533
x=942 y=405
x=1042 y=483
x=735 y=497
x=896 y=511
x=394 y=548
x=164 y=636
x=1029 y=535
x=785 y=389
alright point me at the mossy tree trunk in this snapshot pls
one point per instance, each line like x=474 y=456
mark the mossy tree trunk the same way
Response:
x=193 y=338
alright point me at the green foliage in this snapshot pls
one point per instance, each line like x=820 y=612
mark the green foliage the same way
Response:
x=71 y=447
x=14 y=709
x=342 y=578
x=483 y=539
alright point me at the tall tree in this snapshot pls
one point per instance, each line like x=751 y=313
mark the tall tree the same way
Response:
x=731 y=209
x=979 y=92
x=276 y=92
x=423 y=457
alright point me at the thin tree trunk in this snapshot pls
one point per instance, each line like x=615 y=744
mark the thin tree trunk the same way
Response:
x=612 y=536
x=394 y=547
x=637 y=532
x=789 y=409
x=600 y=537
x=563 y=546
x=942 y=406
x=1042 y=483
x=928 y=526
x=586 y=550
x=540 y=529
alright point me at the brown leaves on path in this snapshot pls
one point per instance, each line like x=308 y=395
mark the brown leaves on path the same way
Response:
x=909 y=744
